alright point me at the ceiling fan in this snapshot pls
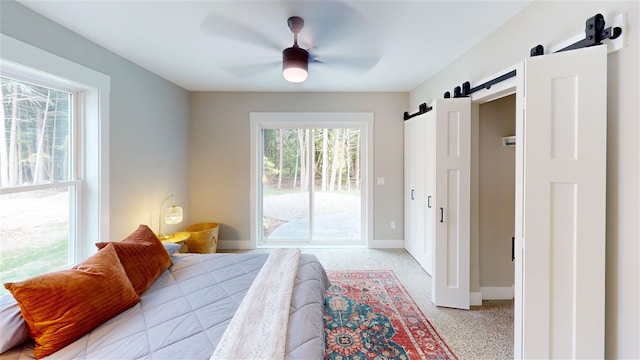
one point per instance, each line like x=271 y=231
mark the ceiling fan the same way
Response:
x=295 y=60
x=332 y=25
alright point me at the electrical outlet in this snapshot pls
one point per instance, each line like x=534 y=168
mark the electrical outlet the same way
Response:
x=393 y=225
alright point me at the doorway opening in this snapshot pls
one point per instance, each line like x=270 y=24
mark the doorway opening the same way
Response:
x=495 y=212
x=493 y=174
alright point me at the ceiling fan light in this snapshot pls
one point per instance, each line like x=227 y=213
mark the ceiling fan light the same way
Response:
x=295 y=64
x=294 y=74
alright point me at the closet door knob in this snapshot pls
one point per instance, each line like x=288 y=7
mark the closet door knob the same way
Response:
x=429 y=201
x=413 y=194
x=441 y=215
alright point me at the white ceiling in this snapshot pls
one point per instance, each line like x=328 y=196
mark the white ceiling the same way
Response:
x=236 y=45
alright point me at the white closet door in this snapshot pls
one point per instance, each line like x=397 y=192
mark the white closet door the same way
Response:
x=415 y=188
x=409 y=185
x=430 y=192
x=562 y=260
x=451 y=260
x=420 y=193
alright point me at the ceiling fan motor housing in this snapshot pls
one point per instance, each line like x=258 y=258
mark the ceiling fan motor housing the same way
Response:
x=295 y=59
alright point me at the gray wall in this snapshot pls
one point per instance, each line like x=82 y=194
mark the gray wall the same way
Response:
x=219 y=153
x=497 y=182
x=148 y=122
x=551 y=22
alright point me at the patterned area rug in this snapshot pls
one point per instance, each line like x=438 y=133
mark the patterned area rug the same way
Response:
x=369 y=315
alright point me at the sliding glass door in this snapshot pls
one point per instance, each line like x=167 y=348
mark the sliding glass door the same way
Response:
x=311 y=188
x=311 y=185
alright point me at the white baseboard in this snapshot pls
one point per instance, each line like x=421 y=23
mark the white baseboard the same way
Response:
x=497 y=292
x=387 y=244
x=475 y=298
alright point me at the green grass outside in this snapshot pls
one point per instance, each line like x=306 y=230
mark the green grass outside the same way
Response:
x=33 y=259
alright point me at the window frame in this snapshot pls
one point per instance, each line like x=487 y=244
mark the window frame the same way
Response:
x=90 y=128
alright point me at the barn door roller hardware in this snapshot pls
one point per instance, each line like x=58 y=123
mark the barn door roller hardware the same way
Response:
x=422 y=108
x=465 y=90
x=594 y=33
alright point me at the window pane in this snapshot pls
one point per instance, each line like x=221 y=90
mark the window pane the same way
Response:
x=35 y=147
x=285 y=185
x=337 y=197
x=322 y=165
x=34 y=233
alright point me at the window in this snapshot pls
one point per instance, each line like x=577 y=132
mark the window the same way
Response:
x=311 y=178
x=53 y=161
x=39 y=177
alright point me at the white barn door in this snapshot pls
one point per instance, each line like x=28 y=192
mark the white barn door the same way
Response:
x=561 y=260
x=451 y=259
x=416 y=141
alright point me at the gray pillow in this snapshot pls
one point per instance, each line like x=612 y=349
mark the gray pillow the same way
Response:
x=12 y=326
x=172 y=248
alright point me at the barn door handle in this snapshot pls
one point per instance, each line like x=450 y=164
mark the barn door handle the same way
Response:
x=413 y=194
x=429 y=201
x=441 y=214
x=513 y=248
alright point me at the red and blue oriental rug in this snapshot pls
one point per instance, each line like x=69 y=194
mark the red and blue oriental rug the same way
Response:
x=369 y=315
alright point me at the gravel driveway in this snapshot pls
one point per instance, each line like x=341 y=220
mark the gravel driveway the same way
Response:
x=295 y=206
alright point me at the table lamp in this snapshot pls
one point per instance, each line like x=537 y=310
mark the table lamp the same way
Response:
x=172 y=215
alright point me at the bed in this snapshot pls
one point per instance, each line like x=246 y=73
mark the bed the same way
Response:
x=186 y=310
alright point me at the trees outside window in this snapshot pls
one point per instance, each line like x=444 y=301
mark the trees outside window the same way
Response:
x=336 y=158
x=36 y=122
x=39 y=182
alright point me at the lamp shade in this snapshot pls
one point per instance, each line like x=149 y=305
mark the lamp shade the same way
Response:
x=173 y=215
x=295 y=64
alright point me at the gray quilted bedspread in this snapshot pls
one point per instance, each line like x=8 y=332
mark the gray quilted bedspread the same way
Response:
x=186 y=310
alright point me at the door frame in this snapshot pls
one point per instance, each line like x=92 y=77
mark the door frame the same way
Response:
x=308 y=120
x=497 y=91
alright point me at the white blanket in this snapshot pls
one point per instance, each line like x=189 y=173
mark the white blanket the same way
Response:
x=258 y=329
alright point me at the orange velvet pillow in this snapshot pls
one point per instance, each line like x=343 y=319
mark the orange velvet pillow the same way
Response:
x=143 y=257
x=60 y=307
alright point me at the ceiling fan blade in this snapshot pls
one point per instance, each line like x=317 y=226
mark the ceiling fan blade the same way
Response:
x=330 y=23
x=222 y=26
x=352 y=64
x=246 y=71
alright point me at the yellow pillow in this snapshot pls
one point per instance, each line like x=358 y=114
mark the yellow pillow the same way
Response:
x=60 y=307
x=143 y=257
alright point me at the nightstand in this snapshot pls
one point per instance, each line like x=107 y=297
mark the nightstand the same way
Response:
x=180 y=237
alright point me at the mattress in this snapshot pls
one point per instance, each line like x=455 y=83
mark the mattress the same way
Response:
x=187 y=309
